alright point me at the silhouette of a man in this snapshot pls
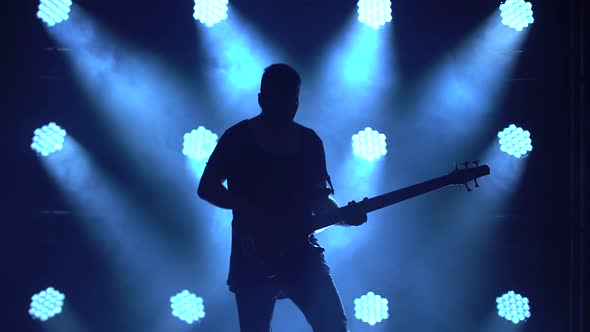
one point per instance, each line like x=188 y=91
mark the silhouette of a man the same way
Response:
x=276 y=178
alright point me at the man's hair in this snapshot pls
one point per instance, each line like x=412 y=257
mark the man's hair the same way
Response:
x=279 y=77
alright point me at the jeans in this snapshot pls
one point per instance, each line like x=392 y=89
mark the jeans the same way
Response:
x=312 y=291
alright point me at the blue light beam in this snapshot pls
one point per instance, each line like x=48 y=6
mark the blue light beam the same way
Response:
x=74 y=170
x=237 y=57
x=121 y=81
x=468 y=85
x=351 y=79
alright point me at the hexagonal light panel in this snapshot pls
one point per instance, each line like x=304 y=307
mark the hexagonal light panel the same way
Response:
x=210 y=12
x=513 y=307
x=517 y=14
x=369 y=144
x=199 y=143
x=374 y=13
x=187 y=306
x=48 y=139
x=46 y=304
x=53 y=12
x=371 y=308
x=515 y=141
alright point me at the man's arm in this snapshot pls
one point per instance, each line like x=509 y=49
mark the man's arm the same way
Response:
x=216 y=171
x=211 y=189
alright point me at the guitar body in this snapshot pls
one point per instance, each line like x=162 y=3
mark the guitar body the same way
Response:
x=277 y=250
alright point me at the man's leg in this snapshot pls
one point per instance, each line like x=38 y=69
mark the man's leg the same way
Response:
x=315 y=294
x=255 y=307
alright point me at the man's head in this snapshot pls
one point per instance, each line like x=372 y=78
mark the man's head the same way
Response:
x=279 y=93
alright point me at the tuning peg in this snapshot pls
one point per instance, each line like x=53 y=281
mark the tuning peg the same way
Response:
x=476 y=162
x=476 y=184
x=467 y=186
x=466 y=164
x=456 y=168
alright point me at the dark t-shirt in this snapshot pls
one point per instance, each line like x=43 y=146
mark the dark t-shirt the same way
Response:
x=287 y=184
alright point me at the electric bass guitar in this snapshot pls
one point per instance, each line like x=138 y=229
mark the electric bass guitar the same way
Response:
x=271 y=255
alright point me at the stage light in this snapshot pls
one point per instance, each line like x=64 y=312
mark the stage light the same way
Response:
x=371 y=308
x=53 y=12
x=374 y=13
x=187 y=307
x=48 y=139
x=199 y=143
x=515 y=141
x=517 y=14
x=369 y=144
x=210 y=12
x=513 y=307
x=46 y=304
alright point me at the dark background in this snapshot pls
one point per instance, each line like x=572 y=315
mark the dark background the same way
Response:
x=544 y=94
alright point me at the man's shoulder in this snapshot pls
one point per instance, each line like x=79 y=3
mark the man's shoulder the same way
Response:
x=236 y=129
x=308 y=132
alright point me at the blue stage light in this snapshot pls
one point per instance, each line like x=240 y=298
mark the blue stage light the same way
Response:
x=371 y=308
x=515 y=141
x=46 y=304
x=374 y=13
x=199 y=143
x=48 y=139
x=513 y=307
x=187 y=307
x=369 y=144
x=517 y=14
x=54 y=11
x=210 y=12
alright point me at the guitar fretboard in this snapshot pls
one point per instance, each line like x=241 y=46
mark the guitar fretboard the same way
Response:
x=384 y=200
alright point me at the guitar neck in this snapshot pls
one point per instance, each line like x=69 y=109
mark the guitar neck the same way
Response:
x=384 y=200
x=381 y=201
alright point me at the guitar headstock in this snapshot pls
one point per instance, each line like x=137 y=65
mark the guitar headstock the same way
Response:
x=464 y=175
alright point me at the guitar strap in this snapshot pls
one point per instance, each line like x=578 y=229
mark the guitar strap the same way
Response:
x=330 y=184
